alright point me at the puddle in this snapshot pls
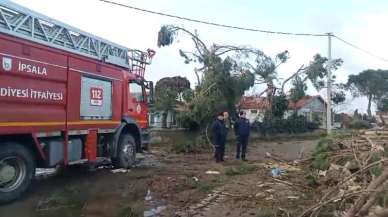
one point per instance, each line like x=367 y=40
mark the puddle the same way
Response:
x=154 y=211
x=154 y=207
x=146 y=160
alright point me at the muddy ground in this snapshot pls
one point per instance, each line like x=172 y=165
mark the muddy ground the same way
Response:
x=166 y=184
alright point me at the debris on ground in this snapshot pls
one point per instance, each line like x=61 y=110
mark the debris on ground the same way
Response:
x=352 y=175
x=211 y=172
x=120 y=170
x=277 y=172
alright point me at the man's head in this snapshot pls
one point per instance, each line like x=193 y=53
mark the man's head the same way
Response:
x=220 y=116
x=243 y=114
x=226 y=115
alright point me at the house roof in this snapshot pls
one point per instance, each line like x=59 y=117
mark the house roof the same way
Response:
x=303 y=102
x=253 y=102
x=261 y=103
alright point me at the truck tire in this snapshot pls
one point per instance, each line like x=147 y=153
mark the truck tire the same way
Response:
x=17 y=169
x=126 y=152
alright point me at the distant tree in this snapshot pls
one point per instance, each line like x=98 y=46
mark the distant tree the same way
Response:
x=370 y=83
x=167 y=92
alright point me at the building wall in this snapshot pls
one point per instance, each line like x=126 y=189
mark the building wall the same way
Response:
x=155 y=119
x=254 y=114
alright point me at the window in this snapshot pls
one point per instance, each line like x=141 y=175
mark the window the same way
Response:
x=136 y=91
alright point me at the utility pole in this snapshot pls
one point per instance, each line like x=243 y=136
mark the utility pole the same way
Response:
x=328 y=112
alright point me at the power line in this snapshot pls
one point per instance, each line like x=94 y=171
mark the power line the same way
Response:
x=361 y=49
x=243 y=28
x=211 y=23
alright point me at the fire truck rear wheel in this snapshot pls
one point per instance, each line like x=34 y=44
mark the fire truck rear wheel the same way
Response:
x=17 y=169
x=126 y=152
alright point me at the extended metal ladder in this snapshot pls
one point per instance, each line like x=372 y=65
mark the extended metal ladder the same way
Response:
x=24 y=23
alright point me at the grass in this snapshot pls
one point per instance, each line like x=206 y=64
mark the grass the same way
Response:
x=240 y=170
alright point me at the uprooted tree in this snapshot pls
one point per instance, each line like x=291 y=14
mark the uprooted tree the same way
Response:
x=222 y=78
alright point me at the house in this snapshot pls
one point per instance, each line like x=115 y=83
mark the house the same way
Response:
x=254 y=107
x=156 y=119
x=312 y=107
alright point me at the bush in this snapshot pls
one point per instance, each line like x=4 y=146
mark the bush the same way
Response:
x=293 y=124
x=196 y=144
x=360 y=124
x=312 y=126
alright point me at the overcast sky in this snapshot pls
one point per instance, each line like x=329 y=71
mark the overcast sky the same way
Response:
x=361 y=22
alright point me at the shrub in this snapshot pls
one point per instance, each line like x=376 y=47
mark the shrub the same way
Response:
x=359 y=124
x=196 y=144
x=312 y=126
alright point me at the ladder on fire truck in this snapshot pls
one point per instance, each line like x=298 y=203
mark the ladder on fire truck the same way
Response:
x=24 y=23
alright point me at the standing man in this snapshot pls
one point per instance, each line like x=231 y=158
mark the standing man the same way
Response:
x=242 y=130
x=219 y=137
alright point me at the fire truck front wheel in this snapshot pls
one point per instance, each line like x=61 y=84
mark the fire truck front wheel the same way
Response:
x=17 y=169
x=126 y=152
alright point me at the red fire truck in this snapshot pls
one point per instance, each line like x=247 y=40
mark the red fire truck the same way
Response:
x=66 y=97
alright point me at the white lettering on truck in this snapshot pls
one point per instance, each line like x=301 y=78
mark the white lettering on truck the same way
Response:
x=33 y=69
x=31 y=93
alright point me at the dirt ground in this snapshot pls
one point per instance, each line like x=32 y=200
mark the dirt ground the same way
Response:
x=165 y=184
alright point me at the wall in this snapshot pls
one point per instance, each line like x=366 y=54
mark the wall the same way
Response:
x=155 y=119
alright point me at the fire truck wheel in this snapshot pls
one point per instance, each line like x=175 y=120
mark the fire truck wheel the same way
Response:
x=126 y=156
x=17 y=169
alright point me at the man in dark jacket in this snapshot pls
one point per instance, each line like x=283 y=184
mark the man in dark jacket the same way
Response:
x=242 y=130
x=219 y=137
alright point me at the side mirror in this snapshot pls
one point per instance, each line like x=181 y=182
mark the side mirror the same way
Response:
x=150 y=97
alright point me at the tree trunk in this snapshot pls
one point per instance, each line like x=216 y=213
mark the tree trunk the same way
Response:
x=355 y=209
x=369 y=106
x=164 y=119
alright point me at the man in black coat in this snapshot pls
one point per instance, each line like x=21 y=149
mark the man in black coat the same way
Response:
x=242 y=130
x=219 y=131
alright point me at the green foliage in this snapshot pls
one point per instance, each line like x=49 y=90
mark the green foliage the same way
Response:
x=224 y=78
x=196 y=144
x=359 y=124
x=382 y=105
x=298 y=90
x=297 y=123
x=277 y=125
x=321 y=154
x=317 y=70
x=338 y=97
x=279 y=106
x=240 y=170
x=167 y=91
x=166 y=36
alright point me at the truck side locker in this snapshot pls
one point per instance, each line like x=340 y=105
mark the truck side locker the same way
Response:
x=91 y=146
